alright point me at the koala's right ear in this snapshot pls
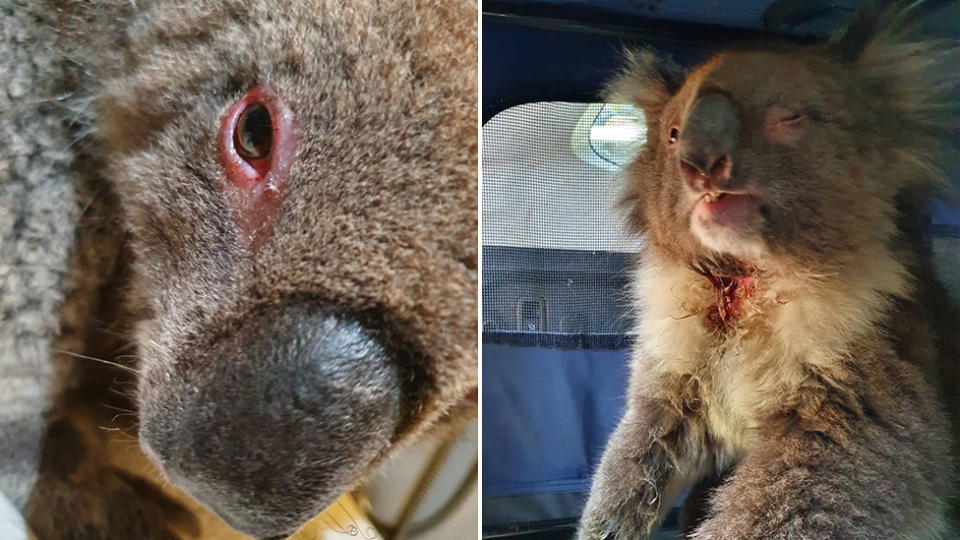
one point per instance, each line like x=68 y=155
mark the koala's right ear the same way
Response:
x=646 y=80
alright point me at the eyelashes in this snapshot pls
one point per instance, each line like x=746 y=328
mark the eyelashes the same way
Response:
x=792 y=118
x=784 y=126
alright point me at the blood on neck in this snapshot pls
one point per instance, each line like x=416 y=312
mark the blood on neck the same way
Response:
x=731 y=293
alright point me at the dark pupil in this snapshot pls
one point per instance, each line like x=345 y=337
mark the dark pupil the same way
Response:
x=254 y=134
x=674 y=132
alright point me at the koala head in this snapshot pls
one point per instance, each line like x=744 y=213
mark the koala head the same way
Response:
x=299 y=184
x=791 y=156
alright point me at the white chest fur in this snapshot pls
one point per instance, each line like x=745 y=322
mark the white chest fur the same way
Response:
x=790 y=327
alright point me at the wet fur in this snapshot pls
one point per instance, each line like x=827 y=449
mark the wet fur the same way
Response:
x=830 y=401
x=378 y=226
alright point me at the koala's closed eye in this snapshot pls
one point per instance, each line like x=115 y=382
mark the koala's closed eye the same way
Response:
x=783 y=125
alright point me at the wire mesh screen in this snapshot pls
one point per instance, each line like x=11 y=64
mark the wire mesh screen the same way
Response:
x=555 y=252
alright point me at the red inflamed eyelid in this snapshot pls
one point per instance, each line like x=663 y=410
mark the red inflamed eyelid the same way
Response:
x=783 y=126
x=257 y=145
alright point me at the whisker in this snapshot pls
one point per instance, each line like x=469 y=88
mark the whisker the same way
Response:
x=130 y=394
x=101 y=360
x=118 y=415
x=121 y=409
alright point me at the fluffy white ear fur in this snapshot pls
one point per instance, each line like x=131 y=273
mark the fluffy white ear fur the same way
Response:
x=646 y=81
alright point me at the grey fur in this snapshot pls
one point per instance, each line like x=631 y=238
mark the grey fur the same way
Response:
x=38 y=215
x=794 y=341
x=345 y=331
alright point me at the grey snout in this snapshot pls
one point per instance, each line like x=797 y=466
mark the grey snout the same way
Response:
x=708 y=140
x=285 y=414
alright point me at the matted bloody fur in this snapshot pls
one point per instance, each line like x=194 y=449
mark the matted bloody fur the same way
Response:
x=805 y=353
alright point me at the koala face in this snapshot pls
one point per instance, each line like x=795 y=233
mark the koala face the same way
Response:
x=299 y=182
x=790 y=157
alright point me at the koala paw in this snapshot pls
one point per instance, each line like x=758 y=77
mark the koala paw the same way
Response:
x=599 y=525
x=597 y=529
x=626 y=513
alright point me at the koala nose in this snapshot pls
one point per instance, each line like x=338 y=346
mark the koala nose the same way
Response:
x=707 y=142
x=288 y=411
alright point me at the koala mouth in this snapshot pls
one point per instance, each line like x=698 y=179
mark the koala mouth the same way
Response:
x=714 y=196
x=725 y=208
x=729 y=222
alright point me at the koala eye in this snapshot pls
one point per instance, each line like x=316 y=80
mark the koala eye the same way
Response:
x=257 y=146
x=253 y=136
x=784 y=126
x=792 y=118
x=257 y=140
x=674 y=134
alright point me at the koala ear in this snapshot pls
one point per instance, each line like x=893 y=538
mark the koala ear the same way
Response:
x=915 y=75
x=850 y=40
x=913 y=79
x=646 y=81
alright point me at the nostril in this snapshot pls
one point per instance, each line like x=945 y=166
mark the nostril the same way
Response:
x=721 y=169
x=694 y=176
x=689 y=170
x=694 y=173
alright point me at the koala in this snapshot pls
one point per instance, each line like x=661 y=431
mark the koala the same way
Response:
x=277 y=213
x=794 y=350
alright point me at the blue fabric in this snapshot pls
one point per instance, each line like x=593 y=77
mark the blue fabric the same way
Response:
x=545 y=340
x=547 y=414
x=946 y=217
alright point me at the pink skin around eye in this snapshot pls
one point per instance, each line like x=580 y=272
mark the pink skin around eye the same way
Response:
x=782 y=125
x=255 y=187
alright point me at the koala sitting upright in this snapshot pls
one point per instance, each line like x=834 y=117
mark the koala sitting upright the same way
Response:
x=278 y=200
x=792 y=335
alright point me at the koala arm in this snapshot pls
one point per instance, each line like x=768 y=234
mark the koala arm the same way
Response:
x=876 y=470
x=804 y=486
x=657 y=449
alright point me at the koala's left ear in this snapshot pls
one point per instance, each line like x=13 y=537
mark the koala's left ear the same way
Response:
x=916 y=77
x=849 y=41
x=911 y=82
x=647 y=81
